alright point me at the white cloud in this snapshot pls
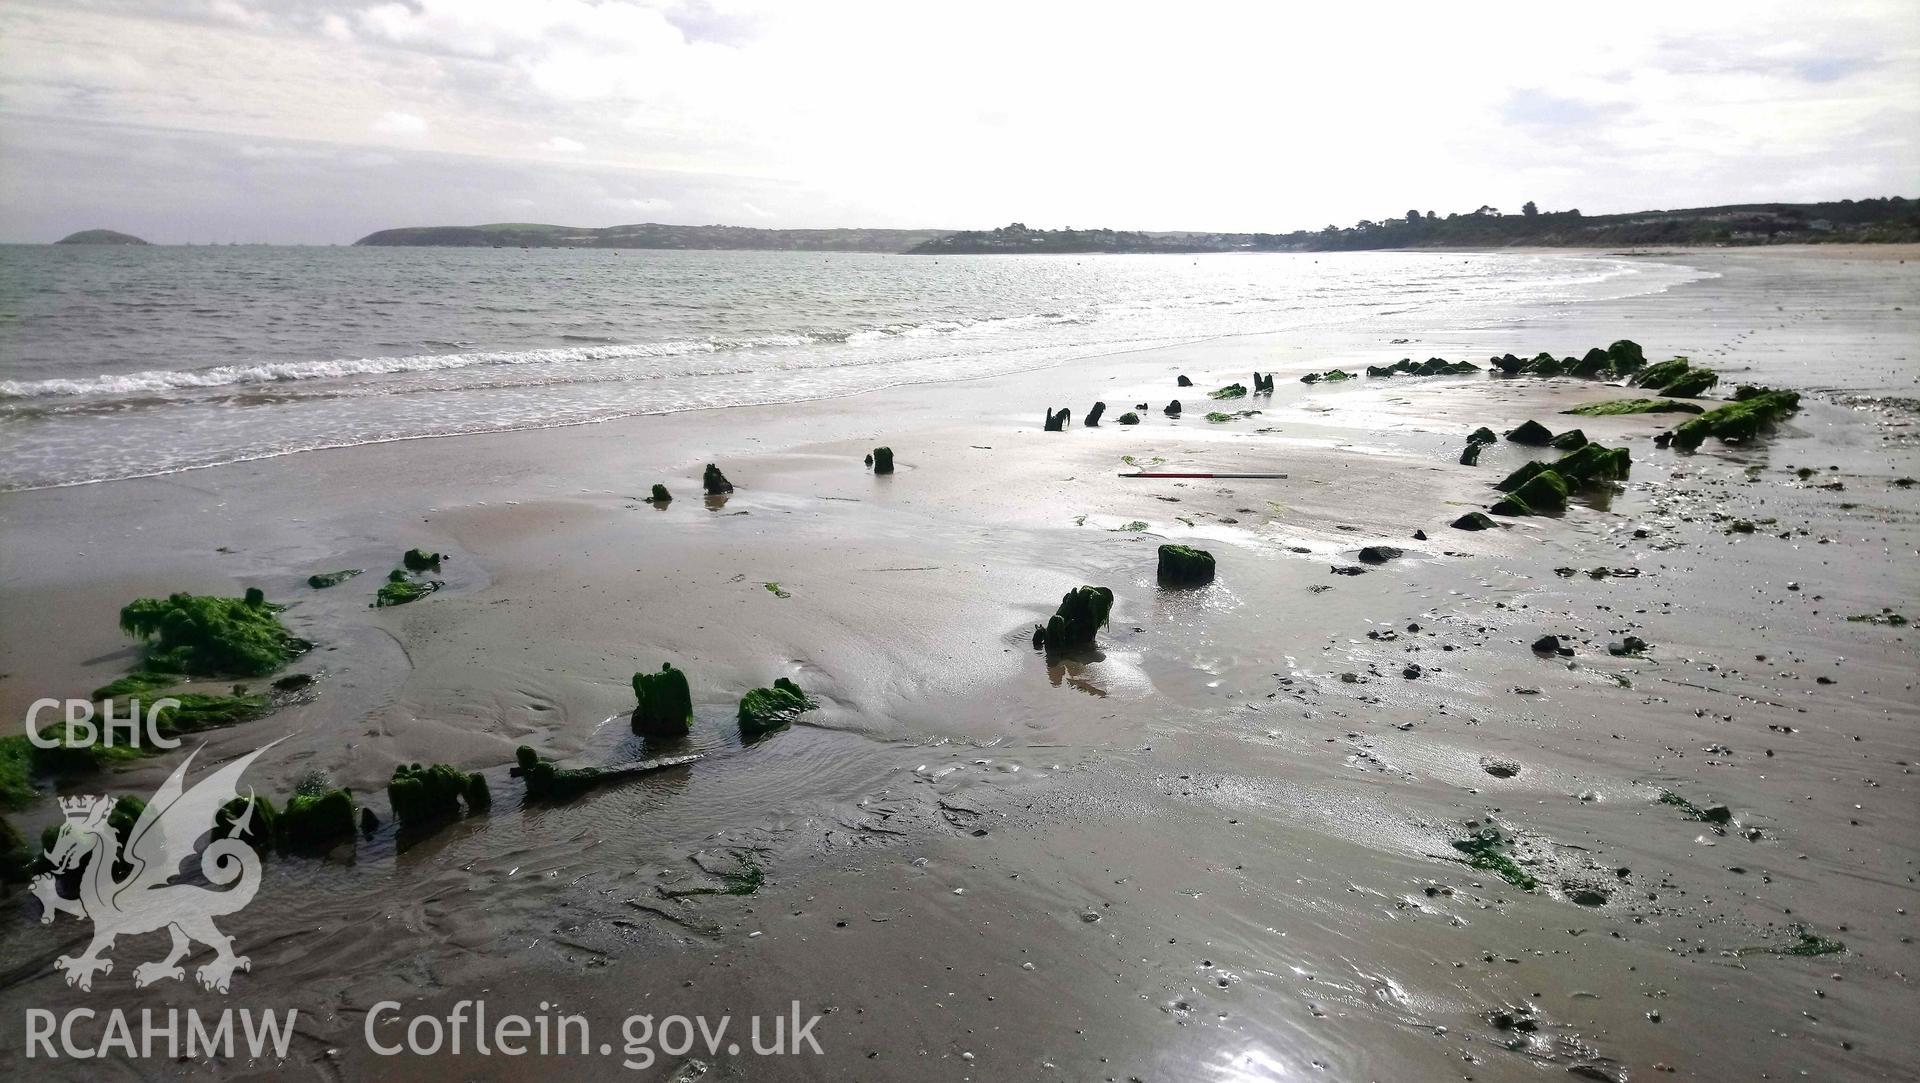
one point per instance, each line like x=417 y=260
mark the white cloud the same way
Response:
x=394 y=122
x=1204 y=115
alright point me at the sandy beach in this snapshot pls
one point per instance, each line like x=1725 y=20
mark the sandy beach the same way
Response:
x=1218 y=846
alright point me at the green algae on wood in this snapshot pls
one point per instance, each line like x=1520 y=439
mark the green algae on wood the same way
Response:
x=1691 y=384
x=660 y=495
x=323 y=580
x=665 y=703
x=423 y=794
x=1082 y=612
x=1128 y=418
x=1616 y=407
x=1737 y=421
x=316 y=821
x=402 y=590
x=1231 y=391
x=419 y=560
x=200 y=634
x=763 y=710
x=1473 y=520
x=1571 y=440
x=1092 y=420
x=1655 y=377
x=1184 y=566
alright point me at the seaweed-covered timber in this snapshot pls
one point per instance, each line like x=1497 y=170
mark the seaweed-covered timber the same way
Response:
x=399 y=590
x=660 y=495
x=1656 y=377
x=714 y=481
x=1330 y=376
x=1231 y=391
x=1470 y=455
x=1473 y=520
x=1183 y=381
x=1432 y=366
x=882 y=460
x=1753 y=409
x=1093 y=416
x=315 y=821
x=763 y=710
x=1075 y=624
x=1615 y=407
x=1571 y=440
x=1545 y=491
x=1263 y=385
x=549 y=781
x=1477 y=439
x=1185 y=566
x=1591 y=463
x=665 y=703
x=1691 y=384
x=418 y=560
x=251 y=819
x=1531 y=433
x=1057 y=422
x=1173 y=409
x=323 y=580
x=1617 y=361
x=424 y=794
x=202 y=635
x=1128 y=418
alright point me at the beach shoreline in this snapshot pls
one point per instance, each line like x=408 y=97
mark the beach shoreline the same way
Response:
x=959 y=806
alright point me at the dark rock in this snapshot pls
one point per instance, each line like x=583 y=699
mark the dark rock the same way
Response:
x=1570 y=440
x=1379 y=554
x=1173 y=409
x=1184 y=382
x=1128 y=418
x=1550 y=644
x=1473 y=520
x=1531 y=433
x=1057 y=422
x=715 y=482
x=1629 y=646
x=660 y=495
x=1419 y=535
x=882 y=458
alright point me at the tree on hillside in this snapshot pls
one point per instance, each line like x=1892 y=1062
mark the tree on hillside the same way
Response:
x=1529 y=209
x=1412 y=217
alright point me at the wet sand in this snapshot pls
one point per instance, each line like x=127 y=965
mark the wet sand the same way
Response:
x=1195 y=853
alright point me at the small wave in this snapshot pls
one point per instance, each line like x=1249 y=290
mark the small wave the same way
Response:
x=159 y=380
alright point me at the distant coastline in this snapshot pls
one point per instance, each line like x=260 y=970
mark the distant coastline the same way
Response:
x=100 y=236
x=1866 y=221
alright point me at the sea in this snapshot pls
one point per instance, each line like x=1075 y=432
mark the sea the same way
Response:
x=120 y=362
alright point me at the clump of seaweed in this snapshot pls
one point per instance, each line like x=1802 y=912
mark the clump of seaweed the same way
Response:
x=1691 y=384
x=200 y=634
x=1432 y=366
x=399 y=590
x=1231 y=391
x=1657 y=377
x=323 y=580
x=312 y=822
x=1330 y=376
x=1487 y=849
x=1184 y=566
x=1082 y=612
x=763 y=710
x=1616 y=407
x=665 y=703
x=1128 y=418
x=1543 y=491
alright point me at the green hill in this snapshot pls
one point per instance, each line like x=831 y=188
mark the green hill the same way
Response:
x=99 y=236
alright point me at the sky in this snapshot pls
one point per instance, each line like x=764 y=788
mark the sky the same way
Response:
x=319 y=122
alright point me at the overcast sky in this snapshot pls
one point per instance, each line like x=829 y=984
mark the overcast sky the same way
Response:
x=270 y=120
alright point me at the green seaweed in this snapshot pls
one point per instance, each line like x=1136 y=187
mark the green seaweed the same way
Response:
x=1082 y=612
x=200 y=634
x=1486 y=849
x=1184 y=566
x=1473 y=520
x=1128 y=418
x=1594 y=462
x=1231 y=391
x=1691 y=384
x=315 y=821
x=763 y=710
x=1655 y=377
x=403 y=590
x=1885 y=617
x=1616 y=407
x=418 y=560
x=660 y=495
x=138 y=683
x=323 y=580
x=1571 y=440
x=255 y=816
x=1737 y=421
x=547 y=781
x=16 y=857
x=16 y=772
x=423 y=794
x=665 y=703
x=777 y=590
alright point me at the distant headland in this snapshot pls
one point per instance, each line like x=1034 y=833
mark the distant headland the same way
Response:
x=99 y=236
x=1893 y=219
x=654 y=235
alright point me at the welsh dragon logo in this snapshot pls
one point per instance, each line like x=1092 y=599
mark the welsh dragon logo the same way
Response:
x=147 y=898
